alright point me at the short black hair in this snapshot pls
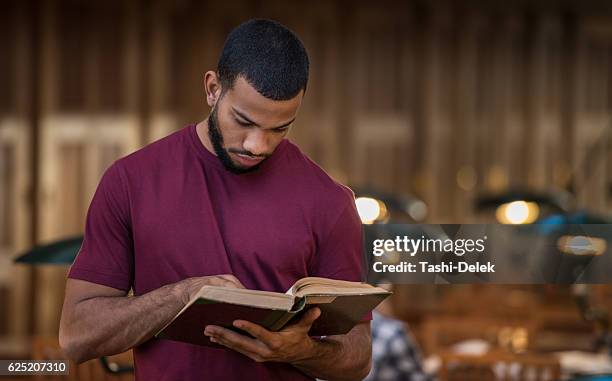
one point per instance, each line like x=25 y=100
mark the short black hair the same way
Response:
x=269 y=56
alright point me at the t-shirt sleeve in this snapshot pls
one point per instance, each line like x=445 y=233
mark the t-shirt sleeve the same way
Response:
x=340 y=255
x=106 y=255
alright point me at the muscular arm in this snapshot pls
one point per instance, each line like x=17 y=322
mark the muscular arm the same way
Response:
x=99 y=321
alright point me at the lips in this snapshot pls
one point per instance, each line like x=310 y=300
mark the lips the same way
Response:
x=247 y=161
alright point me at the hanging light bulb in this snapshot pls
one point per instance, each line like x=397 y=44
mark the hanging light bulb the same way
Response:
x=371 y=210
x=517 y=212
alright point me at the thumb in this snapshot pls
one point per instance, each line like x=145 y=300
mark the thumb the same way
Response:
x=310 y=316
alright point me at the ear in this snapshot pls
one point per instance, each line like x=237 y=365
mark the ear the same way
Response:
x=212 y=86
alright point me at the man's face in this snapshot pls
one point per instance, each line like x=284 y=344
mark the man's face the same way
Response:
x=244 y=127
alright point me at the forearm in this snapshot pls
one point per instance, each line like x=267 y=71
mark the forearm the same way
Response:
x=108 y=325
x=339 y=358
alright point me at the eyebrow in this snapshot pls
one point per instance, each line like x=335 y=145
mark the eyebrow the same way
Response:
x=246 y=119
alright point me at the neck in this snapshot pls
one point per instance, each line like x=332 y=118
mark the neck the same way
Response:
x=202 y=131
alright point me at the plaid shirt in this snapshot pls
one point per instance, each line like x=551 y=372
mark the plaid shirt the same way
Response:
x=395 y=355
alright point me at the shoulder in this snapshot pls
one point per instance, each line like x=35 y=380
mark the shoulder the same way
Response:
x=163 y=150
x=386 y=327
x=315 y=182
x=150 y=164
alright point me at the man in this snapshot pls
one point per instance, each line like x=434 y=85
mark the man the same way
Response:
x=395 y=353
x=226 y=202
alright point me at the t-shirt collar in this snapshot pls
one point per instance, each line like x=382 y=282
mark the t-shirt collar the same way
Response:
x=209 y=157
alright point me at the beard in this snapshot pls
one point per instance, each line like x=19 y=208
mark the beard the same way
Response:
x=216 y=139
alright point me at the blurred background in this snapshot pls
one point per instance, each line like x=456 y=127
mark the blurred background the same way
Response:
x=431 y=108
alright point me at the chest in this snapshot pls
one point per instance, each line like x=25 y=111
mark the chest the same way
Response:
x=263 y=236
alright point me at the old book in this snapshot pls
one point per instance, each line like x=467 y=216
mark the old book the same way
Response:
x=343 y=304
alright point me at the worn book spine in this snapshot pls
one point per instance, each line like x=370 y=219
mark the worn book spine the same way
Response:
x=280 y=323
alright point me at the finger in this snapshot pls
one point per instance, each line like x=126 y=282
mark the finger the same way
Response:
x=309 y=317
x=225 y=343
x=235 y=340
x=232 y=279
x=222 y=281
x=216 y=281
x=255 y=330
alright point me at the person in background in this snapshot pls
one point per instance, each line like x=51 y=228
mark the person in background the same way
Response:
x=395 y=353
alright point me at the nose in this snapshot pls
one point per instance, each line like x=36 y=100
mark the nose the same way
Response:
x=256 y=142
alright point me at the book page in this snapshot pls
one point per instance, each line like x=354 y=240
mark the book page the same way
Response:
x=254 y=298
x=324 y=286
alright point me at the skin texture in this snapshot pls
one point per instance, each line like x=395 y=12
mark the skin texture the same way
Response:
x=341 y=357
x=99 y=320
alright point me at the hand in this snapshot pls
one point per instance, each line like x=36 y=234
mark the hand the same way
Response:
x=191 y=286
x=291 y=344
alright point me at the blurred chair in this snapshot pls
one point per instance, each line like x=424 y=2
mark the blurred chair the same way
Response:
x=47 y=348
x=515 y=302
x=499 y=366
x=439 y=334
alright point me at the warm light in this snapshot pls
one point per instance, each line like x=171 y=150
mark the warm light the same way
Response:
x=581 y=245
x=370 y=210
x=517 y=212
x=467 y=178
x=515 y=339
x=417 y=210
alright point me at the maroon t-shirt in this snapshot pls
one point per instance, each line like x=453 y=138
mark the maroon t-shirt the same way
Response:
x=171 y=211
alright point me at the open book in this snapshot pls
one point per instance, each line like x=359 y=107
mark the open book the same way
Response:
x=343 y=304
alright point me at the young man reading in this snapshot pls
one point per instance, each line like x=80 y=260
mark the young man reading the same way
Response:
x=228 y=201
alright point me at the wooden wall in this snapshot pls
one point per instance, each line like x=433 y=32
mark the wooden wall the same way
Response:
x=437 y=99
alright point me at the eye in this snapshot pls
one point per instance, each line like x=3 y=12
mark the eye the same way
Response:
x=243 y=123
x=281 y=129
